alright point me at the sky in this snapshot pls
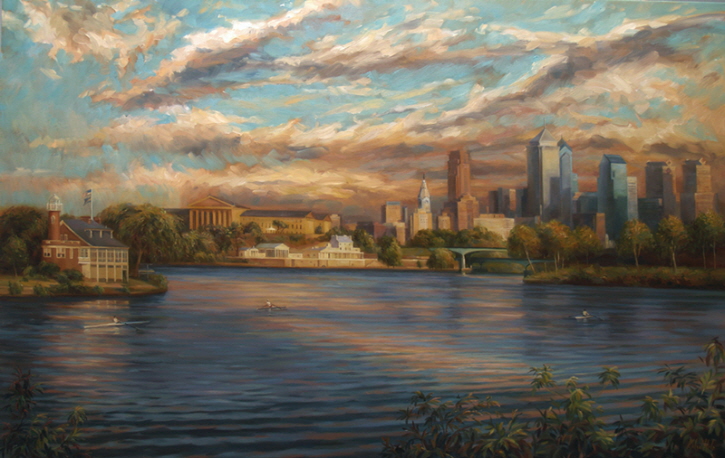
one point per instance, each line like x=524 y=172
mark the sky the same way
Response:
x=337 y=106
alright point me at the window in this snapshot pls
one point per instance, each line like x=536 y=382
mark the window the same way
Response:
x=71 y=253
x=60 y=252
x=46 y=252
x=101 y=255
x=125 y=255
x=84 y=253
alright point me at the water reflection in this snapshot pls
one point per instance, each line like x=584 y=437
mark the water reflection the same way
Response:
x=210 y=374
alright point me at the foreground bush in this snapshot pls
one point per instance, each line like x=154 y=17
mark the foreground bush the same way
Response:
x=686 y=422
x=27 y=435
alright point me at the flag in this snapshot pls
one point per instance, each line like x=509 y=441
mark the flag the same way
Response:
x=87 y=196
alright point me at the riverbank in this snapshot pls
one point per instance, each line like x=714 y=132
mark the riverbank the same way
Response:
x=643 y=277
x=30 y=288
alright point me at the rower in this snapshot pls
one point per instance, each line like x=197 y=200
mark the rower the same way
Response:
x=115 y=320
x=268 y=305
x=585 y=313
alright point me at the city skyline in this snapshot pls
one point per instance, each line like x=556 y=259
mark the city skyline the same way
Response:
x=339 y=106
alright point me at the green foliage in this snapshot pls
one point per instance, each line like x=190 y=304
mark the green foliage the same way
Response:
x=586 y=244
x=280 y=225
x=151 y=233
x=27 y=435
x=98 y=289
x=30 y=225
x=556 y=241
x=253 y=229
x=523 y=241
x=40 y=290
x=705 y=234
x=651 y=277
x=327 y=236
x=634 y=238
x=46 y=270
x=158 y=280
x=14 y=254
x=440 y=259
x=671 y=237
x=390 y=252
x=73 y=275
x=198 y=246
x=70 y=281
x=569 y=422
x=15 y=288
x=363 y=240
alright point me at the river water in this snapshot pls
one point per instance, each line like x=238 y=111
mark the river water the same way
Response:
x=210 y=375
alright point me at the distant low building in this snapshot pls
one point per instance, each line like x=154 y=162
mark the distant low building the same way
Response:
x=273 y=250
x=84 y=245
x=340 y=248
x=213 y=211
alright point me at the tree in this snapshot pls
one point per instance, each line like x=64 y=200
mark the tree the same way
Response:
x=422 y=239
x=28 y=224
x=634 y=238
x=280 y=225
x=252 y=228
x=706 y=232
x=671 y=236
x=484 y=238
x=15 y=253
x=197 y=246
x=36 y=436
x=150 y=232
x=390 y=252
x=689 y=424
x=586 y=243
x=440 y=259
x=556 y=241
x=364 y=240
x=523 y=241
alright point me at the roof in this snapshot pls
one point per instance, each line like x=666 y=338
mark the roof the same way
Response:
x=93 y=233
x=564 y=144
x=342 y=238
x=543 y=137
x=213 y=202
x=279 y=213
x=267 y=246
x=614 y=158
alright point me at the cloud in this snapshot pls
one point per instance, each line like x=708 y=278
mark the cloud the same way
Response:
x=222 y=49
x=86 y=29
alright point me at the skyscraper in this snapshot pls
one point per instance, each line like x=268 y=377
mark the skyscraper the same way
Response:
x=566 y=183
x=422 y=218
x=459 y=175
x=660 y=184
x=462 y=208
x=613 y=193
x=543 y=170
x=697 y=196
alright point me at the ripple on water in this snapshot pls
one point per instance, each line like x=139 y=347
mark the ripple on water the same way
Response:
x=211 y=375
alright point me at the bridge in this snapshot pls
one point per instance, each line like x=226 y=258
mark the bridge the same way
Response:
x=462 y=252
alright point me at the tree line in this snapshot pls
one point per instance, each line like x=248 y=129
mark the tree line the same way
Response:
x=557 y=242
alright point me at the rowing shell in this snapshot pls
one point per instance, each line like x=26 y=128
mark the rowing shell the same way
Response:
x=120 y=323
x=274 y=307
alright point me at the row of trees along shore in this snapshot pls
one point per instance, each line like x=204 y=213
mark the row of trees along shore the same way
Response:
x=155 y=236
x=671 y=240
x=566 y=420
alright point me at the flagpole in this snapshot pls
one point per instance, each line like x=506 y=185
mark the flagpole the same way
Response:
x=91 y=205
